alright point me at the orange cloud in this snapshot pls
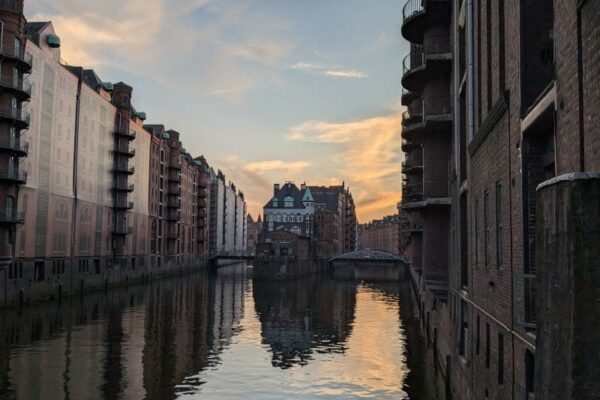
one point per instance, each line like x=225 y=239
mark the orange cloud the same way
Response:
x=367 y=154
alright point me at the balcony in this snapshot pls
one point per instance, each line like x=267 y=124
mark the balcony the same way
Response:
x=21 y=89
x=201 y=204
x=174 y=190
x=416 y=14
x=202 y=213
x=174 y=203
x=412 y=167
x=436 y=114
x=130 y=135
x=123 y=204
x=173 y=216
x=426 y=62
x=16 y=117
x=15 y=147
x=172 y=235
x=202 y=194
x=123 y=186
x=122 y=229
x=124 y=169
x=412 y=193
x=23 y=61
x=175 y=165
x=13 y=175
x=408 y=145
x=12 y=217
x=201 y=223
x=175 y=178
x=124 y=150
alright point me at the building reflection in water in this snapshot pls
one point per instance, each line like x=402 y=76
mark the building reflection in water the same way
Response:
x=209 y=336
x=304 y=316
x=136 y=343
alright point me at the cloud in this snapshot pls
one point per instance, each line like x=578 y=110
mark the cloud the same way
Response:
x=276 y=165
x=340 y=73
x=328 y=70
x=223 y=48
x=366 y=152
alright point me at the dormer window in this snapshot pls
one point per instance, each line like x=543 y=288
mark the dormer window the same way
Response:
x=275 y=202
x=288 y=202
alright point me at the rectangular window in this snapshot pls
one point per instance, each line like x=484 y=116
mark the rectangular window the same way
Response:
x=529 y=373
x=486 y=226
x=464 y=328
x=476 y=219
x=499 y=247
x=487 y=345
x=490 y=80
x=500 y=359
x=478 y=338
x=501 y=46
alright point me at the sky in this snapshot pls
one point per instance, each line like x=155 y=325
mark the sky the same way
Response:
x=267 y=90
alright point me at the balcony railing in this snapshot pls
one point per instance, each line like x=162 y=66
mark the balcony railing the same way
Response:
x=411 y=8
x=436 y=105
x=16 y=146
x=124 y=169
x=125 y=150
x=128 y=134
x=24 y=60
x=172 y=235
x=123 y=186
x=122 y=229
x=12 y=217
x=8 y=82
x=435 y=46
x=18 y=116
x=175 y=178
x=413 y=60
x=413 y=192
x=12 y=174
x=174 y=203
x=173 y=216
x=123 y=203
x=174 y=190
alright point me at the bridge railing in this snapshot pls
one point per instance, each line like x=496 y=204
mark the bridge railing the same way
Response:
x=231 y=254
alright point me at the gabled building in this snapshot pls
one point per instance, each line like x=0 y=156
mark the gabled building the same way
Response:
x=291 y=209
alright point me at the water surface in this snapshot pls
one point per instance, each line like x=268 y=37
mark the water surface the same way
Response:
x=210 y=337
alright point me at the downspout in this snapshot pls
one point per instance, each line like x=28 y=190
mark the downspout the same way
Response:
x=75 y=164
x=580 y=85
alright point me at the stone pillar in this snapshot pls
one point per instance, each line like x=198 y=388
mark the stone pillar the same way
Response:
x=568 y=297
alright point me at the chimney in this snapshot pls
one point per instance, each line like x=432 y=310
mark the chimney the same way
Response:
x=275 y=188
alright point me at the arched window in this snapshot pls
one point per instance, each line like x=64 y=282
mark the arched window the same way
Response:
x=296 y=230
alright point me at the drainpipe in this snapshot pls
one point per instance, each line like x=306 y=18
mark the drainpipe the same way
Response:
x=75 y=163
x=470 y=74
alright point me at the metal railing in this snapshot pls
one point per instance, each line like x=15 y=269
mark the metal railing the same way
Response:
x=436 y=105
x=129 y=134
x=128 y=187
x=12 y=217
x=15 y=114
x=11 y=53
x=412 y=192
x=18 y=84
x=15 y=145
x=13 y=174
x=122 y=203
x=125 y=150
x=411 y=8
x=413 y=60
x=174 y=203
x=122 y=229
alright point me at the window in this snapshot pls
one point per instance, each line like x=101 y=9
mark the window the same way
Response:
x=499 y=249
x=288 y=202
x=478 y=339
x=476 y=221
x=529 y=373
x=500 y=359
x=464 y=328
x=487 y=345
x=275 y=202
x=486 y=223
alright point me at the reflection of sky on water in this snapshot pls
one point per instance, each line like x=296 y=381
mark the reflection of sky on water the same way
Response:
x=220 y=337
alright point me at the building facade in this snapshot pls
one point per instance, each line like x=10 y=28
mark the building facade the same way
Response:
x=107 y=198
x=254 y=231
x=501 y=97
x=228 y=212
x=290 y=209
x=381 y=235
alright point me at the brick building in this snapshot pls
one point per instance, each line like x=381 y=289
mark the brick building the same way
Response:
x=101 y=198
x=335 y=220
x=381 y=235
x=501 y=96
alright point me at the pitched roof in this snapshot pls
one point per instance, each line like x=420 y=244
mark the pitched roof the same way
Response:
x=289 y=190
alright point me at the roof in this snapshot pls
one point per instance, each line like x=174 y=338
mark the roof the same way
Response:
x=34 y=28
x=288 y=190
x=329 y=196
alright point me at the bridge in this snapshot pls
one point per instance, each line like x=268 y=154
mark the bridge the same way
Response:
x=231 y=255
x=370 y=256
x=368 y=265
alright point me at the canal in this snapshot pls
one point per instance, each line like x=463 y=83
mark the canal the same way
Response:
x=219 y=336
